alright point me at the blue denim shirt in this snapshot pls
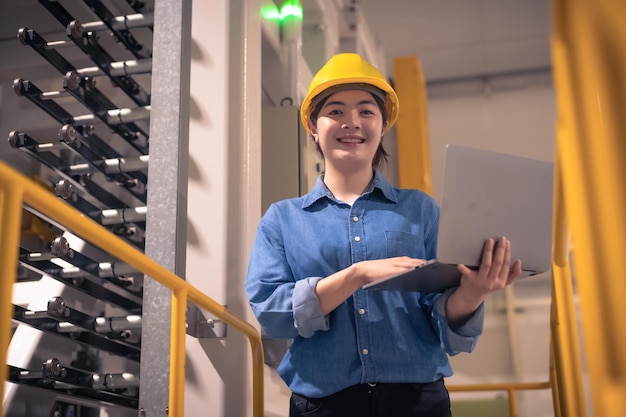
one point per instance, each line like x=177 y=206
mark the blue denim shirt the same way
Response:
x=373 y=336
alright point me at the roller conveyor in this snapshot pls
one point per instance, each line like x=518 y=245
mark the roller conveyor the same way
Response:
x=54 y=376
x=119 y=28
x=44 y=152
x=97 y=161
x=28 y=89
x=83 y=336
x=83 y=89
x=80 y=327
x=22 y=141
x=88 y=43
x=103 y=289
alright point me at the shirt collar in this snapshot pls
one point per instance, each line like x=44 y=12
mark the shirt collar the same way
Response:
x=320 y=190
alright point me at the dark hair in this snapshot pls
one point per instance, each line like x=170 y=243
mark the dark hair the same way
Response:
x=380 y=157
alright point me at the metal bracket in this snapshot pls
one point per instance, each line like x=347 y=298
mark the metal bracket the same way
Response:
x=201 y=326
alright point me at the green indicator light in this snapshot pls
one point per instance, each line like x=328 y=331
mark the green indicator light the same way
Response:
x=270 y=12
x=291 y=8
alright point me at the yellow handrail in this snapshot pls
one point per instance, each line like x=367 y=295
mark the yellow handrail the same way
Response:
x=16 y=189
x=10 y=215
x=510 y=388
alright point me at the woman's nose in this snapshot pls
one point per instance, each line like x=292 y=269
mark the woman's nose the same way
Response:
x=352 y=120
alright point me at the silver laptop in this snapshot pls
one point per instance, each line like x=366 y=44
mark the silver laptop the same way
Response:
x=485 y=195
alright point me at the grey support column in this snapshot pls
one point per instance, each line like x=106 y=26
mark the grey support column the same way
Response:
x=166 y=220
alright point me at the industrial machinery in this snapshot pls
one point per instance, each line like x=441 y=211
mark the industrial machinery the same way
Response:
x=76 y=334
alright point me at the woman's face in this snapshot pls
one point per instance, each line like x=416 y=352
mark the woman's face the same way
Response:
x=349 y=128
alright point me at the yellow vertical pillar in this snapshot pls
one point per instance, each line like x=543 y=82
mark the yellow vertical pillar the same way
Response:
x=588 y=49
x=412 y=126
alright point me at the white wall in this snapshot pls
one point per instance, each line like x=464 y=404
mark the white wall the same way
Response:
x=207 y=191
x=224 y=194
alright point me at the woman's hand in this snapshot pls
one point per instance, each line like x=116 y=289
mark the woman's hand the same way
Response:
x=336 y=288
x=494 y=273
x=375 y=270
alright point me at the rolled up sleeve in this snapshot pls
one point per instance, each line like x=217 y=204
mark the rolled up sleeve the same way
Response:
x=464 y=338
x=307 y=313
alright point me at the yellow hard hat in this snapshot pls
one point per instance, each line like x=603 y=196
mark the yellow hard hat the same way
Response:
x=349 y=68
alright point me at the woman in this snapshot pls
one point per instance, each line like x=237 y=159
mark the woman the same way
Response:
x=356 y=352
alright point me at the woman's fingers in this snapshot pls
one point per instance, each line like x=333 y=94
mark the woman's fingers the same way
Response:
x=516 y=271
x=495 y=270
x=505 y=266
x=499 y=258
x=487 y=258
x=374 y=270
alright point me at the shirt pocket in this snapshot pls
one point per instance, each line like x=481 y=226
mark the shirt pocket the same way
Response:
x=404 y=244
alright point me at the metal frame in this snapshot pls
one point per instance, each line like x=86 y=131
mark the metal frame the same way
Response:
x=166 y=221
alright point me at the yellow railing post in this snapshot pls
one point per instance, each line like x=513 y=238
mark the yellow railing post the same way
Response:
x=10 y=221
x=563 y=325
x=554 y=382
x=589 y=62
x=414 y=169
x=177 y=353
x=16 y=189
x=512 y=402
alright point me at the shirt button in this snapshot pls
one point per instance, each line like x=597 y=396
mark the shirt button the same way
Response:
x=357 y=238
x=355 y=219
x=365 y=351
x=361 y=311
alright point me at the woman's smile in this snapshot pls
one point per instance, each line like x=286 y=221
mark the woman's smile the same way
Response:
x=351 y=139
